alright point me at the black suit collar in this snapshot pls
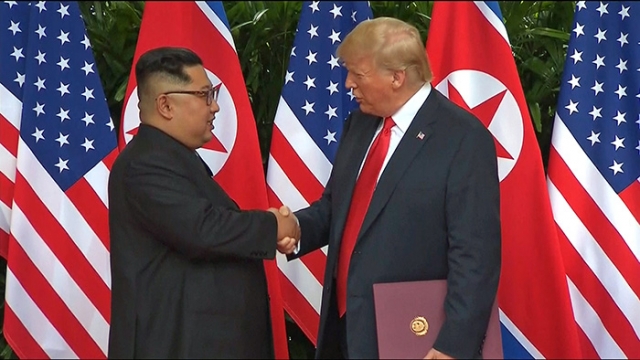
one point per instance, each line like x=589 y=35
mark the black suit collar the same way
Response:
x=413 y=140
x=157 y=137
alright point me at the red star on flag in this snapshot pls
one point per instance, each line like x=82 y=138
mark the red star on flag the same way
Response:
x=484 y=111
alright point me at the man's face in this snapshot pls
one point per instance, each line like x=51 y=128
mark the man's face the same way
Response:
x=193 y=116
x=372 y=87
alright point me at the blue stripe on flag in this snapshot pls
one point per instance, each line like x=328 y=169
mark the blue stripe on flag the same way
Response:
x=217 y=8
x=511 y=347
x=493 y=5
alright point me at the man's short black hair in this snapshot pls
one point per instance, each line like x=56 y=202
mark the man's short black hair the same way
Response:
x=168 y=62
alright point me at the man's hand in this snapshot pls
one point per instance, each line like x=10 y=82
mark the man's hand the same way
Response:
x=435 y=354
x=288 y=229
x=287 y=245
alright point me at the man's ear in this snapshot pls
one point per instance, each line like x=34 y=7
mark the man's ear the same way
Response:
x=164 y=106
x=399 y=77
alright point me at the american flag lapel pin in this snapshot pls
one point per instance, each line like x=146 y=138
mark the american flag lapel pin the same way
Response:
x=420 y=135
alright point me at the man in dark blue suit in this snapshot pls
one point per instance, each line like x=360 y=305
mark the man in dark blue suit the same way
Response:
x=413 y=195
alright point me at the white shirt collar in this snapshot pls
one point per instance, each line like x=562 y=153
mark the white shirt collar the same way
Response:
x=408 y=111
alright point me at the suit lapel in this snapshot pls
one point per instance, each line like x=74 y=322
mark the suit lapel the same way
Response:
x=363 y=129
x=413 y=140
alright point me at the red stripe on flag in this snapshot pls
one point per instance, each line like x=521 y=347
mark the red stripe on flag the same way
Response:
x=586 y=347
x=65 y=250
x=594 y=220
x=296 y=170
x=630 y=197
x=4 y=244
x=6 y=190
x=614 y=320
x=52 y=306
x=9 y=136
x=273 y=200
x=92 y=208
x=110 y=159
x=315 y=261
x=19 y=338
x=300 y=310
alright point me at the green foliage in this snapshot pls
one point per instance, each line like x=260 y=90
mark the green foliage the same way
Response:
x=417 y=13
x=263 y=32
x=112 y=28
x=539 y=34
x=5 y=350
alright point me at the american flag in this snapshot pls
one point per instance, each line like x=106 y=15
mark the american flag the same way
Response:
x=307 y=128
x=594 y=166
x=58 y=143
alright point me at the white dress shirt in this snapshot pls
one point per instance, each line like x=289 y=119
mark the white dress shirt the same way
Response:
x=402 y=118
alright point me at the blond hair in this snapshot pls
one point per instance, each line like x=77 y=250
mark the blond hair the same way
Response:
x=393 y=44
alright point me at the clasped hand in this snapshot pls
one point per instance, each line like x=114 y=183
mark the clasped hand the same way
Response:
x=288 y=229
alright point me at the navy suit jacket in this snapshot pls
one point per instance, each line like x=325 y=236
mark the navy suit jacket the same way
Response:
x=435 y=214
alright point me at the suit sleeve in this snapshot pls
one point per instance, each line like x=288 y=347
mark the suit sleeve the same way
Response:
x=169 y=205
x=315 y=220
x=473 y=226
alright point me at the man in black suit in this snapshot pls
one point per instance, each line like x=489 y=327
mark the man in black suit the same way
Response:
x=186 y=263
x=413 y=195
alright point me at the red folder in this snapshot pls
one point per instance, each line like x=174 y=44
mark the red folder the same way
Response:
x=409 y=316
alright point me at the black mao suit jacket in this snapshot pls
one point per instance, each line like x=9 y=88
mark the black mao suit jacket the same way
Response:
x=434 y=215
x=188 y=279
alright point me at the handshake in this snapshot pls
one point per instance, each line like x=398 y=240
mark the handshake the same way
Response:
x=288 y=229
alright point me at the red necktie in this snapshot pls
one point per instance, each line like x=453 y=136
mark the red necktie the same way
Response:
x=362 y=193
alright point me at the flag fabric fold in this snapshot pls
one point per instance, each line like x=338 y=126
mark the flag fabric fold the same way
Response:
x=473 y=65
x=57 y=147
x=593 y=176
x=308 y=123
x=234 y=152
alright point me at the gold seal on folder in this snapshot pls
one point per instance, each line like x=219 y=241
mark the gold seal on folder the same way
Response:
x=419 y=326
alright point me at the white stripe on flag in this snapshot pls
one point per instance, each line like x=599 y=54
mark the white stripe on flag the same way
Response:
x=65 y=212
x=95 y=177
x=593 y=327
x=302 y=279
x=302 y=143
x=59 y=278
x=7 y=164
x=35 y=321
x=516 y=333
x=598 y=188
x=519 y=336
x=5 y=217
x=495 y=21
x=10 y=107
x=283 y=188
x=593 y=255
x=215 y=20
